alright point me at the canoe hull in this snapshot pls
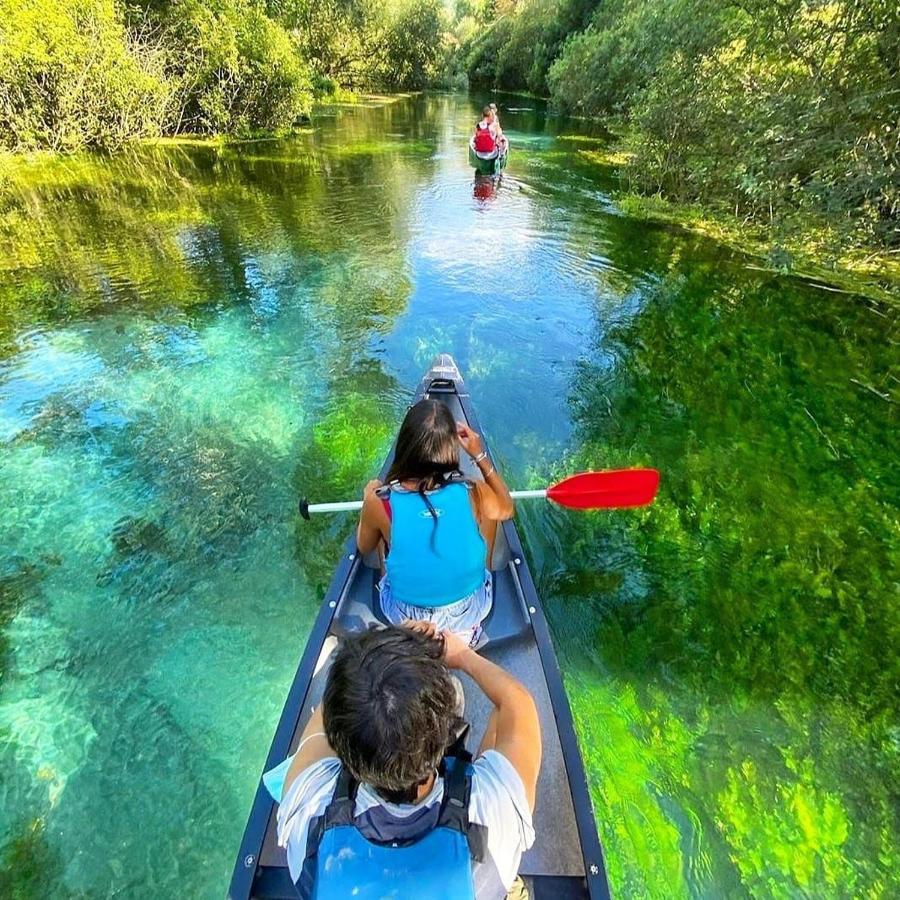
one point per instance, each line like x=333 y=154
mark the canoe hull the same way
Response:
x=493 y=166
x=566 y=862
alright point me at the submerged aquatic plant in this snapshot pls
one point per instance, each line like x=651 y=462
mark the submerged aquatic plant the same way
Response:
x=29 y=866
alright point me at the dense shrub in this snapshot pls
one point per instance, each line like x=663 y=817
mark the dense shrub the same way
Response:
x=79 y=73
x=410 y=52
x=780 y=111
x=70 y=75
x=604 y=68
x=517 y=49
x=236 y=69
x=796 y=113
x=381 y=44
x=336 y=37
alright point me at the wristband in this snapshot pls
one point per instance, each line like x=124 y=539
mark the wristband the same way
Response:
x=480 y=457
x=490 y=471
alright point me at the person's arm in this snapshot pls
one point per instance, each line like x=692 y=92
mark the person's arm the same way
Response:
x=514 y=728
x=374 y=525
x=494 y=502
x=313 y=746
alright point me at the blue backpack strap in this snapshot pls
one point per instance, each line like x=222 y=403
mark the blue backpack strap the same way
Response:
x=338 y=812
x=455 y=805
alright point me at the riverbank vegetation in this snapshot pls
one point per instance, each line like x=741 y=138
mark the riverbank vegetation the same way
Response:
x=774 y=113
x=97 y=73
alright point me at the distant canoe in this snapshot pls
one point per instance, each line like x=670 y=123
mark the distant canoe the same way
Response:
x=487 y=163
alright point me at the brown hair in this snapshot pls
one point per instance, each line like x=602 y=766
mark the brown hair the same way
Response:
x=389 y=709
x=427 y=450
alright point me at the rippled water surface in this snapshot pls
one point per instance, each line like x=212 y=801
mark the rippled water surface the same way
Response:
x=191 y=336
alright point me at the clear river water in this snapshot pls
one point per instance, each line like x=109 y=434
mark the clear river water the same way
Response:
x=193 y=335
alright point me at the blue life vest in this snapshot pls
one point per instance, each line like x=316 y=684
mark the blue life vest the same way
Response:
x=434 y=561
x=341 y=863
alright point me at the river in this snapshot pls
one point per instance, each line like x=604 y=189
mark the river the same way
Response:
x=193 y=335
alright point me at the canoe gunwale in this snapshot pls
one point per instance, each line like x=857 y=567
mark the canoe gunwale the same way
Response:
x=255 y=830
x=595 y=883
x=594 y=860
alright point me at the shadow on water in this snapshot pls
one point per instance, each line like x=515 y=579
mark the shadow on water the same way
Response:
x=193 y=336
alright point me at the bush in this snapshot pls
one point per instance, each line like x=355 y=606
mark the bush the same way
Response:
x=236 y=69
x=410 y=54
x=381 y=44
x=605 y=68
x=518 y=48
x=77 y=73
x=70 y=76
x=796 y=115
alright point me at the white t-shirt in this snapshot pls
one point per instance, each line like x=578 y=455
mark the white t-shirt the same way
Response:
x=497 y=801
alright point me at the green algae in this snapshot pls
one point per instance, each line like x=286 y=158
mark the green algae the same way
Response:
x=755 y=595
x=28 y=863
x=811 y=249
x=641 y=843
x=376 y=148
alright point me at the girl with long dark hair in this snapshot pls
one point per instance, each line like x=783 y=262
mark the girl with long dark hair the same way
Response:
x=437 y=524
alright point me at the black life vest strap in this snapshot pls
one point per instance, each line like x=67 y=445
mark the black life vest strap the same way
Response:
x=455 y=806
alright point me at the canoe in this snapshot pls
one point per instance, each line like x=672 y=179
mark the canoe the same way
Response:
x=566 y=861
x=487 y=164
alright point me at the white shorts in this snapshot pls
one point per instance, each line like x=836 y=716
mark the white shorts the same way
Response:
x=463 y=617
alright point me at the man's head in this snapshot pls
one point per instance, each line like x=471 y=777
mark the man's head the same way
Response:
x=388 y=709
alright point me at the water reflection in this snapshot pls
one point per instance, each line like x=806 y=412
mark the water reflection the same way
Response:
x=485 y=188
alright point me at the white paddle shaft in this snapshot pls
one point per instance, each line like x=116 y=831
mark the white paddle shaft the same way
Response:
x=350 y=505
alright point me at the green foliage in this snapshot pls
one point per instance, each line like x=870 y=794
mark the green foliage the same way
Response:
x=604 y=68
x=517 y=49
x=784 y=113
x=336 y=37
x=79 y=73
x=398 y=45
x=71 y=76
x=795 y=115
x=411 y=48
x=237 y=70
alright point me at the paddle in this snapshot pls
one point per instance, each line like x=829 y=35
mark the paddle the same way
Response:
x=613 y=489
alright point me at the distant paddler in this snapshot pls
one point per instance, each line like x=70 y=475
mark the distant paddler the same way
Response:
x=488 y=148
x=489 y=137
x=496 y=113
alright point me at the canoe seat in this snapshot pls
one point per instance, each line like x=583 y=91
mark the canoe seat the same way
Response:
x=507 y=619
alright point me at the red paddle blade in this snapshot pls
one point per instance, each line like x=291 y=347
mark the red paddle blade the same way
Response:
x=614 y=489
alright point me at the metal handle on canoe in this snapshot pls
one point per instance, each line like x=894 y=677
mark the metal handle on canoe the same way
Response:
x=306 y=508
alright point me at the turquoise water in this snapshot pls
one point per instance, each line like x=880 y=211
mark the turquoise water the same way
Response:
x=193 y=336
